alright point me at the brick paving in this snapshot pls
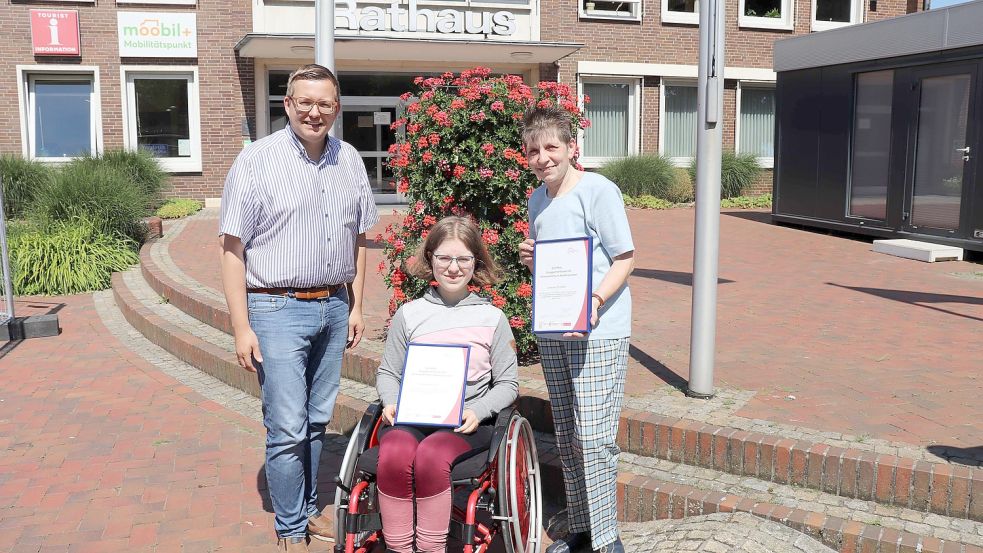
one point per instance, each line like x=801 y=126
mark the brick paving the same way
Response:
x=101 y=451
x=814 y=331
x=107 y=443
x=747 y=487
x=112 y=444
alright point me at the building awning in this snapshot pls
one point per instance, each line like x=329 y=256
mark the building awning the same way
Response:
x=401 y=49
x=936 y=30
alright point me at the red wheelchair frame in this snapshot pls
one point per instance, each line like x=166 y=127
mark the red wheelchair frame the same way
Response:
x=503 y=491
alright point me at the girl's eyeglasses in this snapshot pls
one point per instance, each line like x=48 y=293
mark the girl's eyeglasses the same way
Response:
x=444 y=261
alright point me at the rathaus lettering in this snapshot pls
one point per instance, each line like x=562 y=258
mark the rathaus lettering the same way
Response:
x=396 y=18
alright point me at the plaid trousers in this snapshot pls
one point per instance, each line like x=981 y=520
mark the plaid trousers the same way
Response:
x=586 y=382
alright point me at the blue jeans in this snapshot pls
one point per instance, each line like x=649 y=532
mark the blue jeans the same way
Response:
x=302 y=342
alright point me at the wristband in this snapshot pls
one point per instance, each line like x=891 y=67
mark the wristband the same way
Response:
x=600 y=300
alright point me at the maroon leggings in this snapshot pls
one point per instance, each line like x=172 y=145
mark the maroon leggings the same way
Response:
x=417 y=462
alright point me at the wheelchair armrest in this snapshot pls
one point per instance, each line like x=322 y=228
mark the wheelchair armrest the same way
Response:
x=501 y=427
x=368 y=422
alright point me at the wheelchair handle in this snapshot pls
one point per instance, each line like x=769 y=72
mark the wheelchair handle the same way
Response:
x=338 y=482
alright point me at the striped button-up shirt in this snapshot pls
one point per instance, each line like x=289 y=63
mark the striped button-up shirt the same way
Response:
x=297 y=218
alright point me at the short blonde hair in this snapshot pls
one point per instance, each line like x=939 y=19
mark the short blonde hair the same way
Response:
x=486 y=271
x=313 y=72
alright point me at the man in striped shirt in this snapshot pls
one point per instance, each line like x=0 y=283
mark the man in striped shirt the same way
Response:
x=295 y=210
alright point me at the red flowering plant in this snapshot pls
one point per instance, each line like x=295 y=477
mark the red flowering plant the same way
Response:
x=461 y=154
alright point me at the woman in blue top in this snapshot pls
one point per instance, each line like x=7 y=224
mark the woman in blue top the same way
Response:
x=585 y=374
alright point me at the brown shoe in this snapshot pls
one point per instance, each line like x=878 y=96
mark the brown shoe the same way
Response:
x=321 y=527
x=295 y=544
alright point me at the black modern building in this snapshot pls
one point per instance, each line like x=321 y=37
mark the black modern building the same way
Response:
x=879 y=128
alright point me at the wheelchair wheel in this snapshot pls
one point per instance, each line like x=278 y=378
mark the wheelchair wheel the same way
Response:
x=347 y=476
x=357 y=444
x=519 y=489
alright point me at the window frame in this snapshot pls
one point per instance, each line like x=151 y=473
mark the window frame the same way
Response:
x=635 y=15
x=685 y=18
x=665 y=83
x=784 y=23
x=26 y=75
x=634 y=109
x=189 y=73
x=856 y=17
x=765 y=162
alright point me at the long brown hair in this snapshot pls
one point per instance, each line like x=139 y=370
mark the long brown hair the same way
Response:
x=486 y=271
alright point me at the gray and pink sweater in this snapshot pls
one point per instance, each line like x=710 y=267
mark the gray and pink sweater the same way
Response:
x=493 y=378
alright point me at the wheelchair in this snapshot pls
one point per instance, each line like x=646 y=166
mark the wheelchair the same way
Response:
x=495 y=493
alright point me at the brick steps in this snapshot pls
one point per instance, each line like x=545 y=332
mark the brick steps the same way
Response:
x=858 y=471
x=643 y=492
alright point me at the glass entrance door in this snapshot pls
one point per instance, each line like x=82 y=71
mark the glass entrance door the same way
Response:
x=941 y=181
x=366 y=127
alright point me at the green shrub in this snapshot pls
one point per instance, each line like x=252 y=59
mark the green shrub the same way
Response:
x=640 y=175
x=178 y=207
x=143 y=169
x=647 y=202
x=66 y=258
x=737 y=173
x=88 y=188
x=22 y=178
x=681 y=189
x=747 y=202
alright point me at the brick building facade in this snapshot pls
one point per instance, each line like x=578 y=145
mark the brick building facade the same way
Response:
x=197 y=107
x=640 y=52
x=218 y=85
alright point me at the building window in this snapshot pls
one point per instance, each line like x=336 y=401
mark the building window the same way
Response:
x=756 y=122
x=613 y=114
x=681 y=11
x=277 y=81
x=679 y=123
x=830 y=14
x=59 y=112
x=601 y=9
x=870 y=158
x=162 y=115
x=766 y=14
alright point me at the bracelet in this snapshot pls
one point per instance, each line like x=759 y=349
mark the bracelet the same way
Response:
x=600 y=300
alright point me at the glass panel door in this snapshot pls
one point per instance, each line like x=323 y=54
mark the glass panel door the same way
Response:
x=942 y=152
x=367 y=129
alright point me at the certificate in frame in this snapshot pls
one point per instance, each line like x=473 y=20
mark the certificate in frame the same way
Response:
x=561 y=274
x=433 y=385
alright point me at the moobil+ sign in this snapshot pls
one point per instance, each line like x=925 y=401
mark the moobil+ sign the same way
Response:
x=157 y=34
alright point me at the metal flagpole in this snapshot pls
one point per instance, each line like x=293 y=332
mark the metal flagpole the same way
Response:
x=8 y=288
x=324 y=37
x=706 y=250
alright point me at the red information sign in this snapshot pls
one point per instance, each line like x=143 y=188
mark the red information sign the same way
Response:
x=55 y=32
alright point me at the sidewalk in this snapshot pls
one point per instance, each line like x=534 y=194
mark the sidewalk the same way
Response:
x=819 y=331
x=100 y=451
x=106 y=446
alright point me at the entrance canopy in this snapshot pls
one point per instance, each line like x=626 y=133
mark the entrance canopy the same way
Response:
x=301 y=46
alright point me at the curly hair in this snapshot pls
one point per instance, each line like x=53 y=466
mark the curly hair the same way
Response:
x=486 y=271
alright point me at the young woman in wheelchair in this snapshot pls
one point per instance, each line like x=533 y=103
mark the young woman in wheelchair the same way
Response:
x=415 y=462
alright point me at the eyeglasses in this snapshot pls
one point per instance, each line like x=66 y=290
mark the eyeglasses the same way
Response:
x=444 y=261
x=305 y=105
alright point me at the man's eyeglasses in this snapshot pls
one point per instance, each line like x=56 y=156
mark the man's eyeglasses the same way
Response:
x=444 y=261
x=305 y=105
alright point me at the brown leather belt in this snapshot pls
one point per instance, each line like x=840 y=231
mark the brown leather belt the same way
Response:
x=318 y=293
